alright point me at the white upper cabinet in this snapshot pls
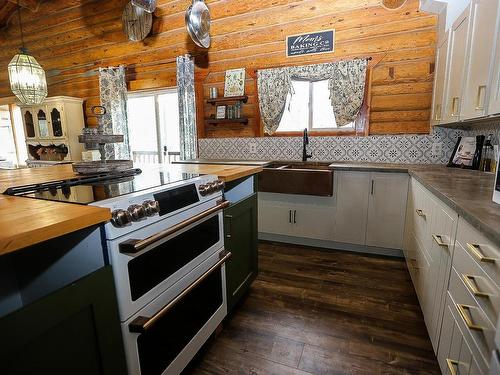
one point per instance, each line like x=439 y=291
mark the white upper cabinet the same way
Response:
x=457 y=63
x=440 y=79
x=494 y=102
x=481 y=39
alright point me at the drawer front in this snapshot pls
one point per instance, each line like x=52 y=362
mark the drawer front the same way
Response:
x=472 y=318
x=484 y=252
x=483 y=289
x=422 y=205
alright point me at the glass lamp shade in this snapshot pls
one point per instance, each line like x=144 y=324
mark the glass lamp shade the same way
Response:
x=27 y=79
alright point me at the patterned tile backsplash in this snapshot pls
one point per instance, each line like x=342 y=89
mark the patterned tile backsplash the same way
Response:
x=417 y=149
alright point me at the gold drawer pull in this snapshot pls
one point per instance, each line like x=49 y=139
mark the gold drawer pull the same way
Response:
x=481 y=90
x=476 y=250
x=451 y=366
x=439 y=240
x=468 y=279
x=468 y=321
x=455 y=107
x=420 y=213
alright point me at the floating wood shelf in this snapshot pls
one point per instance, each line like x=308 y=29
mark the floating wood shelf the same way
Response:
x=214 y=121
x=243 y=98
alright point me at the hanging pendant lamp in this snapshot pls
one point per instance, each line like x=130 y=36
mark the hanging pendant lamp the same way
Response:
x=26 y=76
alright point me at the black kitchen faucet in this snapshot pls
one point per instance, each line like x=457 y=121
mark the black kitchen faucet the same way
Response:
x=305 y=142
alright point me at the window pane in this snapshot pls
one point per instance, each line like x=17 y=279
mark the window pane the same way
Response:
x=323 y=116
x=142 y=128
x=8 y=156
x=169 y=120
x=297 y=118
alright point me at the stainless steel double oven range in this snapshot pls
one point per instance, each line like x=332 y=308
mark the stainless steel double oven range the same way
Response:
x=166 y=246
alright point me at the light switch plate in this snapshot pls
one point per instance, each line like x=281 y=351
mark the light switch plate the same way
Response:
x=252 y=148
x=437 y=149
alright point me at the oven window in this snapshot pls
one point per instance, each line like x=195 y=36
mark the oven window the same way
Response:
x=151 y=268
x=159 y=346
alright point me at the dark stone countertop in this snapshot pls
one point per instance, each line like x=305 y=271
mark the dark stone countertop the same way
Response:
x=260 y=163
x=467 y=192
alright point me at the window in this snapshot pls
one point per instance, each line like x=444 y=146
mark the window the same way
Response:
x=12 y=142
x=153 y=120
x=309 y=107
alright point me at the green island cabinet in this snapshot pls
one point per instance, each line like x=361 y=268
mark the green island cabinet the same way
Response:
x=240 y=229
x=60 y=315
x=75 y=330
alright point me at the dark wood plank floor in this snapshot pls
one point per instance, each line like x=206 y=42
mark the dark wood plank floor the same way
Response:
x=322 y=312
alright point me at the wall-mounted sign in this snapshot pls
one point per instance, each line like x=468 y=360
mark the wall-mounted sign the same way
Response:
x=310 y=43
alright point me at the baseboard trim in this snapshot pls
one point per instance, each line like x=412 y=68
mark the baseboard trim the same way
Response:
x=331 y=245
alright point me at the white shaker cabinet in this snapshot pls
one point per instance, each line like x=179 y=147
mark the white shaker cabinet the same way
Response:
x=386 y=210
x=352 y=192
x=456 y=72
x=481 y=39
x=440 y=79
x=494 y=100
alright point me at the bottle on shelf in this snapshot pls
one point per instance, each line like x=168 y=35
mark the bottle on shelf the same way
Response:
x=487 y=163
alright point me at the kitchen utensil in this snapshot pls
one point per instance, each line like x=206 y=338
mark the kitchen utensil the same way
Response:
x=198 y=23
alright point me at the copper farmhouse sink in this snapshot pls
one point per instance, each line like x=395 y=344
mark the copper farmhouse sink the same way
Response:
x=306 y=178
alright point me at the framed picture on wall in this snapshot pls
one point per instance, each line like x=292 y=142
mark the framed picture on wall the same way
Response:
x=220 y=112
x=467 y=152
x=234 y=84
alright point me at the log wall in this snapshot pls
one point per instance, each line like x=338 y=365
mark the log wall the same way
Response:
x=71 y=38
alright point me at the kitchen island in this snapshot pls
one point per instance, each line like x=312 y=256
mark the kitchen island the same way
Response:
x=26 y=221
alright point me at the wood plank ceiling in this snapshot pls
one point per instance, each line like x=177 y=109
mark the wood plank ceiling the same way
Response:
x=9 y=7
x=70 y=38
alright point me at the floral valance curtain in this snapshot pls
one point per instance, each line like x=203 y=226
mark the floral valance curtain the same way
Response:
x=113 y=95
x=187 y=107
x=346 y=82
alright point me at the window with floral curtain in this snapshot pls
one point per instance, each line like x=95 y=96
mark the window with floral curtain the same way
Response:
x=344 y=80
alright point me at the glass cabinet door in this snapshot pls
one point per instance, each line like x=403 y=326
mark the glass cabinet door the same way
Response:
x=56 y=121
x=29 y=124
x=43 y=127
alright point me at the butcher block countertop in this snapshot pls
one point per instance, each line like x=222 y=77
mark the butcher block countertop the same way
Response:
x=26 y=221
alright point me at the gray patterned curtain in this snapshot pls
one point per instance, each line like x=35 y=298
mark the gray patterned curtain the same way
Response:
x=113 y=93
x=346 y=81
x=187 y=107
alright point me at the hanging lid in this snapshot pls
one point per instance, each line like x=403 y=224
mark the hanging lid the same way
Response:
x=198 y=23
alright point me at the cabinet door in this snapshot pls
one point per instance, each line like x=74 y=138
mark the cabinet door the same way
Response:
x=313 y=221
x=275 y=217
x=458 y=49
x=494 y=100
x=352 y=206
x=41 y=122
x=440 y=80
x=240 y=221
x=386 y=210
x=481 y=44
x=29 y=122
x=56 y=120
x=75 y=330
x=450 y=342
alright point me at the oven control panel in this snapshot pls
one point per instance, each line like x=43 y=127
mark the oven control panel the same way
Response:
x=211 y=187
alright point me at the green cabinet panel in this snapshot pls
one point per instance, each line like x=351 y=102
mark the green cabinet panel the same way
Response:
x=75 y=330
x=240 y=222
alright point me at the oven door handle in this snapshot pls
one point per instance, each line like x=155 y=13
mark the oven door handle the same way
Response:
x=141 y=324
x=133 y=246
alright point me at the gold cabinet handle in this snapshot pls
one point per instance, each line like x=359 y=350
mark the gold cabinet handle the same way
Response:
x=475 y=249
x=420 y=213
x=468 y=321
x=455 y=107
x=451 y=366
x=480 y=98
x=439 y=240
x=469 y=282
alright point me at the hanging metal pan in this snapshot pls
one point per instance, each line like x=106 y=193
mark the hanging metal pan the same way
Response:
x=198 y=23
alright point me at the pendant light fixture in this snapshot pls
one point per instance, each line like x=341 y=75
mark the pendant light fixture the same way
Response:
x=26 y=76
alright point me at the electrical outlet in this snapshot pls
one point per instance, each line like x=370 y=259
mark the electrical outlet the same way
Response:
x=437 y=149
x=252 y=148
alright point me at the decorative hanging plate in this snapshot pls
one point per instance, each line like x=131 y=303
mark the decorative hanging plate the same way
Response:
x=392 y=4
x=198 y=23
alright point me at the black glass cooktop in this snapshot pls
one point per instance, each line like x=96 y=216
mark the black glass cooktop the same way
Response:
x=94 y=188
